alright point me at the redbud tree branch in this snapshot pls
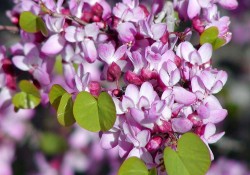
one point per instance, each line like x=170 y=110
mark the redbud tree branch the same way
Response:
x=13 y=29
x=55 y=14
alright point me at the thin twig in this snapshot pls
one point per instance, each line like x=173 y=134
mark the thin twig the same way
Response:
x=55 y=14
x=13 y=29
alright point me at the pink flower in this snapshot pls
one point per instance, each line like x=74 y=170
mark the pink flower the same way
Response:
x=108 y=54
x=198 y=57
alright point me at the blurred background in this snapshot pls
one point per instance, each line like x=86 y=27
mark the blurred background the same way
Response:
x=42 y=130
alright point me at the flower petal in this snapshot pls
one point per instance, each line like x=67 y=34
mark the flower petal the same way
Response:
x=53 y=45
x=181 y=125
x=183 y=96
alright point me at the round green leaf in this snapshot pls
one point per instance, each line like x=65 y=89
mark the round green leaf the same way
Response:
x=29 y=98
x=209 y=35
x=191 y=158
x=133 y=166
x=65 y=111
x=31 y=23
x=22 y=100
x=94 y=114
x=42 y=27
x=218 y=43
x=55 y=94
x=52 y=144
x=107 y=111
x=28 y=22
x=29 y=88
x=85 y=111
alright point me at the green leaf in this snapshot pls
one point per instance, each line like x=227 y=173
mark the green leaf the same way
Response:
x=94 y=114
x=58 y=68
x=209 y=35
x=133 y=166
x=29 y=88
x=52 y=144
x=85 y=111
x=191 y=158
x=55 y=94
x=153 y=171
x=29 y=98
x=31 y=23
x=28 y=22
x=107 y=111
x=65 y=111
x=218 y=43
x=23 y=100
x=42 y=27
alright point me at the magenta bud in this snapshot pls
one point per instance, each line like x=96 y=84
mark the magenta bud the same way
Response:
x=97 y=9
x=177 y=61
x=94 y=88
x=15 y=18
x=133 y=78
x=154 y=143
x=96 y=18
x=194 y=118
x=65 y=11
x=148 y=74
x=197 y=24
x=114 y=72
x=87 y=16
x=117 y=92
x=39 y=38
x=164 y=38
x=200 y=130
x=165 y=127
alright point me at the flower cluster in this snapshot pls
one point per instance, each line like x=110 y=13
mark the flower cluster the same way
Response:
x=162 y=85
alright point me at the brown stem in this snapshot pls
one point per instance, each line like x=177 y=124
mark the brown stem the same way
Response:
x=13 y=29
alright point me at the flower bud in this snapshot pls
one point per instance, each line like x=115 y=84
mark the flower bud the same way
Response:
x=194 y=118
x=177 y=61
x=94 y=88
x=114 y=72
x=197 y=24
x=148 y=74
x=132 y=78
x=164 y=38
x=154 y=143
x=165 y=127
x=97 y=10
x=200 y=130
x=87 y=16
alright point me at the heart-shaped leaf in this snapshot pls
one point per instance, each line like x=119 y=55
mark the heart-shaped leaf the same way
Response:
x=106 y=110
x=133 y=166
x=94 y=114
x=191 y=158
x=218 y=43
x=210 y=35
x=65 y=111
x=28 y=98
x=55 y=95
x=29 y=88
x=31 y=23
x=23 y=100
